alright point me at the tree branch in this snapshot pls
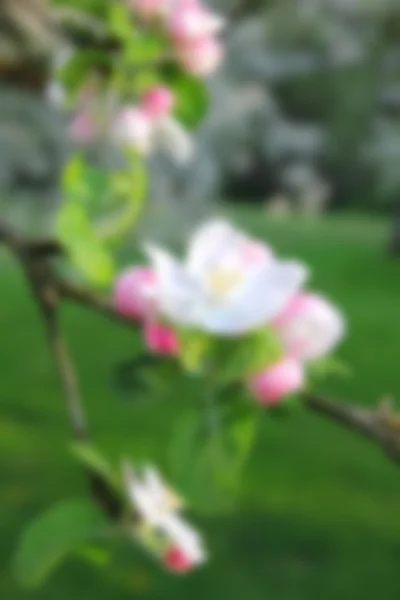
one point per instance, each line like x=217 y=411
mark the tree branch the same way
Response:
x=47 y=295
x=381 y=425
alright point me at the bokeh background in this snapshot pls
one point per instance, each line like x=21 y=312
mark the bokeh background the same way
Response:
x=301 y=147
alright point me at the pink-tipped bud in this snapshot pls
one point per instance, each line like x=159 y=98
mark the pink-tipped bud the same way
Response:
x=160 y=339
x=310 y=327
x=190 y=21
x=132 y=293
x=134 y=128
x=272 y=385
x=158 y=102
x=200 y=57
x=82 y=129
x=177 y=561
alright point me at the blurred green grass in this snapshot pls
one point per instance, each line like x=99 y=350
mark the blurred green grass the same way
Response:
x=319 y=512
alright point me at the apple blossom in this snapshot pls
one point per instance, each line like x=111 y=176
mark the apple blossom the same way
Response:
x=160 y=339
x=134 y=128
x=158 y=101
x=190 y=20
x=151 y=127
x=131 y=296
x=201 y=56
x=172 y=138
x=217 y=288
x=310 y=326
x=274 y=383
x=158 y=508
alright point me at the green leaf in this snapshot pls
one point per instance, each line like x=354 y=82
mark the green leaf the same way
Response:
x=94 y=461
x=52 y=536
x=240 y=357
x=130 y=187
x=207 y=462
x=191 y=95
x=79 y=68
x=120 y=21
x=85 y=250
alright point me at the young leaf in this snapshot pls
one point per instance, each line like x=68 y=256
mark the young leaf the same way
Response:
x=84 y=248
x=191 y=95
x=120 y=21
x=237 y=359
x=92 y=459
x=52 y=536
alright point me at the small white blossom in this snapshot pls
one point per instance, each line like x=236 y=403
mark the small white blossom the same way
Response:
x=158 y=507
x=229 y=284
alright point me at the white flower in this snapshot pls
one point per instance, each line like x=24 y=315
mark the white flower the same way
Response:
x=134 y=128
x=146 y=134
x=152 y=499
x=173 y=139
x=228 y=285
x=158 y=507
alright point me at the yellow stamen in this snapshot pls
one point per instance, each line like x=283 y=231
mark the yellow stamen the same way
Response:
x=222 y=281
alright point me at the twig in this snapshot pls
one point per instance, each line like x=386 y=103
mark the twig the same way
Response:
x=45 y=289
x=381 y=425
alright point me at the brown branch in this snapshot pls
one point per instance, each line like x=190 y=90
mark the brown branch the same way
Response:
x=95 y=302
x=381 y=425
x=46 y=292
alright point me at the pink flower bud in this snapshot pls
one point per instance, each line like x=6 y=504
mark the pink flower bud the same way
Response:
x=310 y=326
x=82 y=129
x=276 y=382
x=149 y=9
x=160 y=339
x=134 y=128
x=190 y=21
x=158 y=102
x=132 y=293
x=176 y=560
x=201 y=56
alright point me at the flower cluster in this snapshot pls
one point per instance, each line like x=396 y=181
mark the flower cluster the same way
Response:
x=150 y=126
x=230 y=285
x=192 y=29
x=161 y=529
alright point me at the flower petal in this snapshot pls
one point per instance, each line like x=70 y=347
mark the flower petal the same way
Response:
x=258 y=301
x=175 y=293
x=184 y=536
x=172 y=138
x=209 y=245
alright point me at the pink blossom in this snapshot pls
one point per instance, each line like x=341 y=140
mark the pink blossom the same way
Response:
x=149 y=9
x=158 y=102
x=82 y=129
x=134 y=127
x=160 y=339
x=176 y=560
x=310 y=326
x=276 y=382
x=190 y=20
x=201 y=56
x=131 y=293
